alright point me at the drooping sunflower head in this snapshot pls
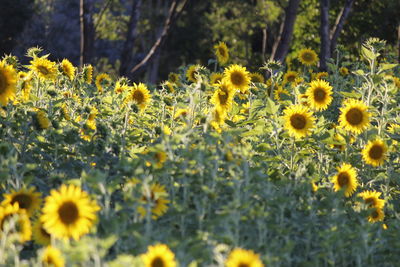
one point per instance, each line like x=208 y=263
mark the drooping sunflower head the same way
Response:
x=280 y=93
x=308 y=57
x=8 y=83
x=140 y=95
x=216 y=77
x=42 y=120
x=68 y=212
x=345 y=179
x=193 y=72
x=376 y=215
x=121 y=85
x=159 y=256
x=243 y=258
x=173 y=77
x=11 y=213
x=103 y=79
x=321 y=76
x=354 y=116
x=88 y=73
x=169 y=86
x=44 y=68
x=223 y=96
x=51 y=256
x=237 y=77
x=256 y=77
x=40 y=235
x=299 y=121
x=290 y=77
x=344 y=71
x=371 y=198
x=222 y=53
x=319 y=95
x=68 y=69
x=375 y=152
x=157 y=196
x=27 y=199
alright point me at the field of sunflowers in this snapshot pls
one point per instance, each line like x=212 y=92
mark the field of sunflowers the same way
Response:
x=217 y=166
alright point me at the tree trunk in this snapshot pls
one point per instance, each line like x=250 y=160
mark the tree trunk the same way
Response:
x=126 y=54
x=281 y=46
x=264 y=42
x=87 y=31
x=344 y=14
x=398 y=41
x=324 y=32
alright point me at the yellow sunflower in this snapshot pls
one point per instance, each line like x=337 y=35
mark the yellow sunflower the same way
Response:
x=376 y=215
x=344 y=71
x=374 y=152
x=279 y=93
x=88 y=73
x=298 y=121
x=192 y=73
x=243 y=258
x=321 y=76
x=27 y=199
x=120 y=87
x=371 y=198
x=256 y=77
x=181 y=113
x=237 y=77
x=42 y=120
x=159 y=256
x=345 y=179
x=22 y=226
x=40 y=235
x=157 y=197
x=319 y=95
x=354 y=116
x=52 y=257
x=169 y=86
x=308 y=57
x=68 y=69
x=290 y=77
x=8 y=82
x=222 y=53
x=44 y=68
x=140 y=95
x=223 y=96
x=173 y=77
x=216 y=77
x=101 y=80
x=68 y=212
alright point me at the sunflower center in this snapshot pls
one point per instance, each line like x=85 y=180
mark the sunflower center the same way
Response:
x=223 y=97
x=23 y=200
x=375 y=152
x=43 y=70
x=319 y=95
x=157 y=262
x=237 y=78
x=291 y=78
x=375 y=214
x=3 y=83
x=354 y=116
x=193 y=75
x=370 y=201
x=308 y=57
x=221 y=51
x=343 y=179
x=138 y=96
x=68 y=212
x=243 y=264
x=298 y=121
x=44 y=232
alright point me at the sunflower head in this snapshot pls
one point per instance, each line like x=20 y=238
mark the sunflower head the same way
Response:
x=280 y=93
x=319 y=94
x=8 y=82
x=344 y=71
x=192 y=73
x=371 y=198
x=223 y=96
x=51 y=256
x=237 y=77
x=256 y=77
x=181 y=113
x=376 y=215
x=88 y=73
x=321 y=76
x=354 y=116
x=140 y=95
x=27 y=199
x=12 y=213
x=222 y=53
x=173 y=77
x=345 y=179
x=308 y=57
x=298 y=121
x=44 y=68
x=375 y=152
x=290 y=77
x=120 y=86
x=68 y=69
x=216 y=77
x=42 y=120
x=40 y=235
x=157 y=196
x=159 y=256
x=243 y=258
x=103 y=79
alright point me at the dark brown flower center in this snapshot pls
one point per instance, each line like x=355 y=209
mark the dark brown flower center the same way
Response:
x=222 y=51
x=298 y=121
x=291 y=77
x=354 y=116
x=3 y=83
x=343 y=179
x=223 y=96
x=138 y=96
x=68 y=212
x=319 y=95
x=157 y=262
x=43 y=70
x=24 y=201
x=237 y=78
x=308 y=57
x=376 y=152
x=242 y=264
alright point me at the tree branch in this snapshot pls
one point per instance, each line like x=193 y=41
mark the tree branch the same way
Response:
x=340 y=20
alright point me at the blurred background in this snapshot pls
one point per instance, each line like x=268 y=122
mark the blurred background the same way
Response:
x=144 y=40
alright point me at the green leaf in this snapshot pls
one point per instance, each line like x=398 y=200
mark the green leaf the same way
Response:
x=386 y=66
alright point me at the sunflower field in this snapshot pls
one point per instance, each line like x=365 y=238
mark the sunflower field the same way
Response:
x=217 y=166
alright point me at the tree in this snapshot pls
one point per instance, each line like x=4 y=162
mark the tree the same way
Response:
x=87 y=31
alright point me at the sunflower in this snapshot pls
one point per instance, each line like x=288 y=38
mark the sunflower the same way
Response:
x=344 y=71
x=290 y=77
x=181 y=113
x=354 y=116
x=222 y=53
x=298 y=121
x=22 y=226
x=157 y=197
x=237 y=77
x=8 y=81
x=321 y=76
x=374 y=152
x=65 y=112
x=308 y=57
x=371 y=198
x=279 y=93
x=192 y=73
x=51 y=256
x=169 y=86
x=345 y=179
x=173 y=77
x=68 y=69
x=159 y=256
x=243 y=258
x=120 y=87
x=140 y=95
x=319 y=94
x=216 y=77
x=102 y=79
x=223 y=96
x=88 y=73
x=43 y=121
x=68 y=212
x=44 y=68
x=40 y=235
x=256 y=77
x=27 y=199
x=376 y=215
